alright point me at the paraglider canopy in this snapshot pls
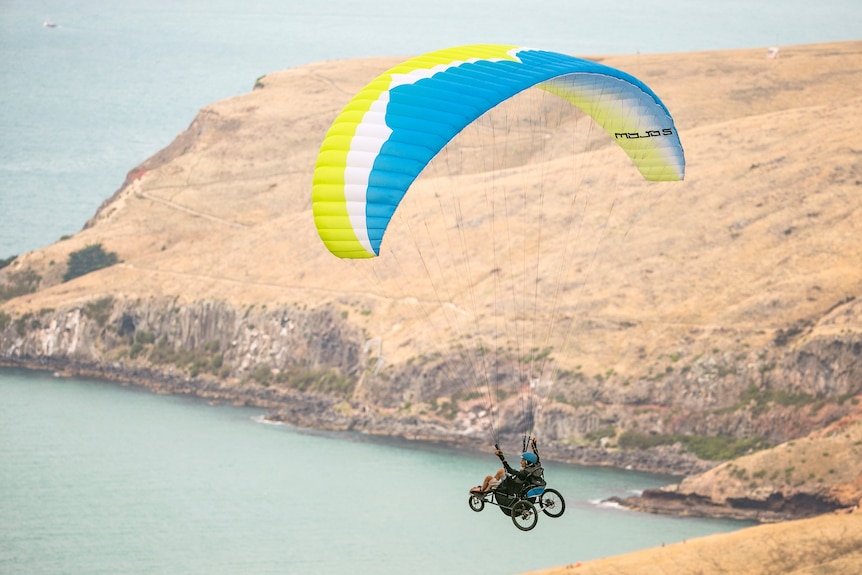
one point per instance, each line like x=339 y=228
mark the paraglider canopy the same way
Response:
x=394 y=126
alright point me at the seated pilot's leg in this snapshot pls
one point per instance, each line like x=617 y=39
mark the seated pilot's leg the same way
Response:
x=494 y=482
x=484 y=486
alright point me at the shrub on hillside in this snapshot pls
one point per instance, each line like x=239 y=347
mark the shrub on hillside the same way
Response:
x=88 y=259
x=711 y=448
x=6 y=261
x=19 y=283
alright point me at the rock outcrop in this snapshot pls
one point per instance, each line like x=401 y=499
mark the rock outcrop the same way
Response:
x=802 y=478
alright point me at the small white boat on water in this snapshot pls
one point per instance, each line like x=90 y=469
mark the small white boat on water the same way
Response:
x=49 y=24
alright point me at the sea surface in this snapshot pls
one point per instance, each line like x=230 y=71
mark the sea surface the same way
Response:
x=101 y=478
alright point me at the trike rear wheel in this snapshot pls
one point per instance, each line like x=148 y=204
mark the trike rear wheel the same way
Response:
x=552 y=503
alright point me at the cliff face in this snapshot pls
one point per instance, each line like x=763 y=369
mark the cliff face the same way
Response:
x=315 y=369
x=729 y=318
x=209 y=341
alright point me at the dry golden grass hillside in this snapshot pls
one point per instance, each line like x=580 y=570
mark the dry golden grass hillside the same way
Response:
x=827 y=544
x=829 y=460
x=760 y=236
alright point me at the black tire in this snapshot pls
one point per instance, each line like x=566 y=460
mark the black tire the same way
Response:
x=524 y=515
x=476 y=502
x=552 y=503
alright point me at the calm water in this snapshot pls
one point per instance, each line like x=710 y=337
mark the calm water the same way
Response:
x=82 y=103
x=99 y=478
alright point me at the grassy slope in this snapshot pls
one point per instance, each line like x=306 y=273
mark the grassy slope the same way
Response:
x=826 y=544
x=755 y=239
x=827 y=461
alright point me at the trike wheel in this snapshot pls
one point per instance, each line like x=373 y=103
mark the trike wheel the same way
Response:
x=524 y=515
x=477 y=503
x=552 y=503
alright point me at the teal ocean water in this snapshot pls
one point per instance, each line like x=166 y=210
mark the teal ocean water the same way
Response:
x=100 y=478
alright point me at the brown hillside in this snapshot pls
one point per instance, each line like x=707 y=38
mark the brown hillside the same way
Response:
x=799 y=478
x=759 y=237
x=826 y=544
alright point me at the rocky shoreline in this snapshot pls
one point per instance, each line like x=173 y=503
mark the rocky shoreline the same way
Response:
x=72 y=345
x=668 y=501
x=817 y=474
x=322 y=412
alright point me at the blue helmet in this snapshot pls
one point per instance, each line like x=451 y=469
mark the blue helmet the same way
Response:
x=529 y=458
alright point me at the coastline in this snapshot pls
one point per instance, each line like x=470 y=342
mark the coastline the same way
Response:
x=319 y=412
